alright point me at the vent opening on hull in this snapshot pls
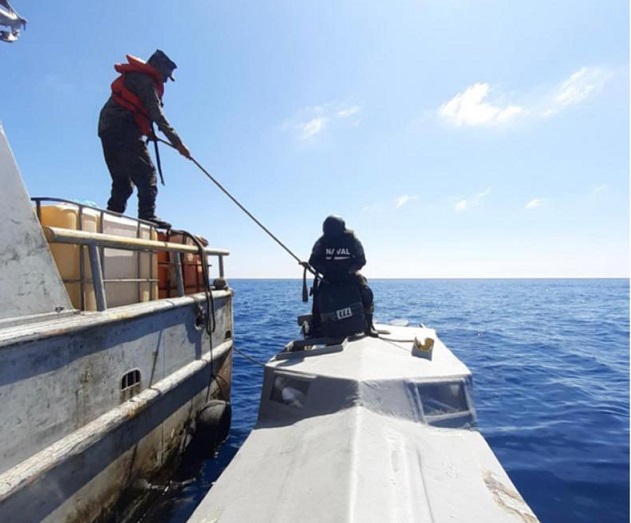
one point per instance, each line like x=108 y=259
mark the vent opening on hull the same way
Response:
x=290 y=390
x=130 y=384
x=446 y=404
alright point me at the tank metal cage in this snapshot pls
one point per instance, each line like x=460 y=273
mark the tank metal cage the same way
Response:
x=97 y=242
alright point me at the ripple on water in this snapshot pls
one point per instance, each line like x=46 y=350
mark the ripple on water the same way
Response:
x=550 y=360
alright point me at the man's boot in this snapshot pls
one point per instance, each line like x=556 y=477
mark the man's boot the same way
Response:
x=158 y=222
x=370 y=328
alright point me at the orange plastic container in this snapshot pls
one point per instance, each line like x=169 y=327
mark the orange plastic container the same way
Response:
x=192 y=271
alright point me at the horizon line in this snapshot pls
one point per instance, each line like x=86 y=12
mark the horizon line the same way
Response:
x=448 y=278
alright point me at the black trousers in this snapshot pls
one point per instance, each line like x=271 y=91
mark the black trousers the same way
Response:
x=368 y=298
x=129 y=164
x=365 y=293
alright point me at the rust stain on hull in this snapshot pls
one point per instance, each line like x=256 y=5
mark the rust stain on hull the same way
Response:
x=508 y=498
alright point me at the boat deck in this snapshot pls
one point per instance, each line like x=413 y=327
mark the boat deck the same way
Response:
x=365 y=358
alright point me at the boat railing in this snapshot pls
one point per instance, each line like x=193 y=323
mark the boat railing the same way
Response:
x=146 y=270
x=96 y=241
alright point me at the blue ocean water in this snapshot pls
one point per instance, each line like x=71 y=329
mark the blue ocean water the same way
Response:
x=550 y=361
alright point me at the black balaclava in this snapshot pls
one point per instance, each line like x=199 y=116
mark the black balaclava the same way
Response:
x=333 y=226
x=162 y=63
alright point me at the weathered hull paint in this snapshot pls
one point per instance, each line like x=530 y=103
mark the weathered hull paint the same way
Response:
x=70 y=447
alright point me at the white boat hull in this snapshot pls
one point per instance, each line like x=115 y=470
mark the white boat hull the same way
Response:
x=68 y=438
x=94 y=403
x=349 y=434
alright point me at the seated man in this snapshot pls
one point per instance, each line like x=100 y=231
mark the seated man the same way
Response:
x=338 y=255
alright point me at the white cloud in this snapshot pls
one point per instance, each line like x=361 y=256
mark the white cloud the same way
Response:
x=350 y=111
x=600 y=188
x=310 y=129
x=481 y=104
x=469 y=108
x=466 y=203
x=312 y=121
x=577 y=88
x=535 y=202
x=402 y=200
x=462 y=205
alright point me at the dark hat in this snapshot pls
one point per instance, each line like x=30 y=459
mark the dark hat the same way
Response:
x=333 y=226
x=162 y=63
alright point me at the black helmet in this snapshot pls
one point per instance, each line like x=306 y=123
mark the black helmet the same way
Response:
x=162 y=63
x=333 y=226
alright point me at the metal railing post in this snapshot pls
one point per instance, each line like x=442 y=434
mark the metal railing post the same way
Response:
x=97 y=277
x=179 y=277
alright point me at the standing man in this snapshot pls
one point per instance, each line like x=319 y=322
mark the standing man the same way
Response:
x=338 y=255
x=126 y=118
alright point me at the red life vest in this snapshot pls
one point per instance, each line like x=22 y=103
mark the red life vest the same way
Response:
x=124 y=97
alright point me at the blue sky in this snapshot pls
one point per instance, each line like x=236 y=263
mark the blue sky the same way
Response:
x=458 y=138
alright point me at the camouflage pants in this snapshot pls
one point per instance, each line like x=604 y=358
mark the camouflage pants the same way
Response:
x=129 y=164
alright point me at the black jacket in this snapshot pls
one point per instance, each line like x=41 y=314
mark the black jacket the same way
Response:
x=338 y=257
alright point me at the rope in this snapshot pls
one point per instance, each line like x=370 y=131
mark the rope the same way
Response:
x=211 y=321
x=209 y=313
x=212 y=179
x=154 y=139
x=248 y=357
x=394 y=343
x=306 y=266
